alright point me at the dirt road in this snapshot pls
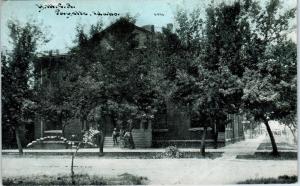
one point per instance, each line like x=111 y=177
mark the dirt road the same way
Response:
x=159 y=171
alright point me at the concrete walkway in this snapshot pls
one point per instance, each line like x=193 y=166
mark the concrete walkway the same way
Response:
x=245 y=147
x=7 y=151
x=95 y=151
x=230 y=151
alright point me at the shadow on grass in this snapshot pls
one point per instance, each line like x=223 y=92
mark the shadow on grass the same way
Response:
x=281 y=179
x=269 y=156
x=82 y=179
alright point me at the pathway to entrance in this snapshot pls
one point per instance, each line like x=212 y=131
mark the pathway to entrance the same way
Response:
x=245 y=147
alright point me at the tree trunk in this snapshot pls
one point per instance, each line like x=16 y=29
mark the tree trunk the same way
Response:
x=132 y=145
x=203 y=141
x=293 y=131
x=274 y=146
x=101 y=137
x=84 y=123
x=216 y=134
x=72 y=163
x=19 y=140
x=294 y=136
x=131 y=142
x=60 y=121
x=63 y=129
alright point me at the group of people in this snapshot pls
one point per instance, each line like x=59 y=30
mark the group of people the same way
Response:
x=124 y=137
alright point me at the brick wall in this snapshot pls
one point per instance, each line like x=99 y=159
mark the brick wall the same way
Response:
x=142 y=137
x=178 y=130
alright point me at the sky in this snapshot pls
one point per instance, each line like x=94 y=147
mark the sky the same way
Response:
x=61 y=30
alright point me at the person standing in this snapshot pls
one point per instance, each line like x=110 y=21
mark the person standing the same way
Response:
x=115 y=136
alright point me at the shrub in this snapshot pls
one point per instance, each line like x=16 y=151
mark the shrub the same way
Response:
x=81 y=179
x=281 y=179
x=172 y=152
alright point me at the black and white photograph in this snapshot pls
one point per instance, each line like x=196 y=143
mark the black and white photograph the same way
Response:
x=153 y=92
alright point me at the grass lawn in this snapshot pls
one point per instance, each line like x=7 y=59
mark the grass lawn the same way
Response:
x=131 y=155
x=163 y=155
x=83 y=179
x=281 y=179
x=280 y=146
x=269 y=156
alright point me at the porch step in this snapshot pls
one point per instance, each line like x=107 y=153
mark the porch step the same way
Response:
x=53 y=133
x=108 y=142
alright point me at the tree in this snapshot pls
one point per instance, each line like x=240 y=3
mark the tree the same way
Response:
x=88 y=135
x=286 y=53
x=89 y=97
x=88 y=91
x=130 y=97
x=291 y=122
x=53 y=88
x=269 y=76
x=24 y=39
x=106 y=86
x=210 y=84
x=210 y=96
x=252 y=78
x=7 y=78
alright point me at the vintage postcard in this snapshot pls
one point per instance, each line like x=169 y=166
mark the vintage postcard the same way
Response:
x=153 y=92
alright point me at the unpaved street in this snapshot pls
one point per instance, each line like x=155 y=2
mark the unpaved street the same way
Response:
x=159 y=171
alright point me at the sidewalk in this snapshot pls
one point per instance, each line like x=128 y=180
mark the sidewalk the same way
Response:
x=95 y=151
x=245 y=147
x=248 y=146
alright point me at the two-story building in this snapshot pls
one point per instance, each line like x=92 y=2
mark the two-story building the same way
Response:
x=173 y=127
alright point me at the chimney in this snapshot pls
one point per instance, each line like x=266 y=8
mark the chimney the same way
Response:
x=170 y=27
x=150 y=28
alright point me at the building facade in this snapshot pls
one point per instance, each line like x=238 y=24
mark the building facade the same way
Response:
x=175 y=126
